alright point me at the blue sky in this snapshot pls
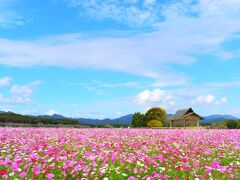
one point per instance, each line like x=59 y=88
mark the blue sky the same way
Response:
x=93 y=58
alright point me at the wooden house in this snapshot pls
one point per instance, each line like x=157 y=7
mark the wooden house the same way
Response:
x=185 y=117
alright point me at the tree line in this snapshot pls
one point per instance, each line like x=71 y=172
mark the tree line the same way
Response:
x=18 y=118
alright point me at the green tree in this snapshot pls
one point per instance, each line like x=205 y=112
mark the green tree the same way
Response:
x=156 y=113
x=154 y=123
x=232 y=124
x=138 y=120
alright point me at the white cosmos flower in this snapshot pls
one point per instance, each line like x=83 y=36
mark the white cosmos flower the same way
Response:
x=140 y=164
x=124 y=174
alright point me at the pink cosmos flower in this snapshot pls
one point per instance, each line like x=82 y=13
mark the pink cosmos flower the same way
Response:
x=23 y=174
x=113 y=158
x=132 y=178
x=161 y=158
x=222 y=169
x=215 y=164
x=207 y=152
x=36 y=172
x=92 y=158
x=50 y=176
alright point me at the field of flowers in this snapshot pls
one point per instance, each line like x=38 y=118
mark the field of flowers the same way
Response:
x=44 y=153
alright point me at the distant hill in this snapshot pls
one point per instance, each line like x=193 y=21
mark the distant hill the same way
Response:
x=10 y=117
x=217 y=118
x=54 y=116
x=124 y=120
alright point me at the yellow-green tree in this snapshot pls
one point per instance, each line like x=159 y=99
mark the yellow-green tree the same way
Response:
x=156 y=113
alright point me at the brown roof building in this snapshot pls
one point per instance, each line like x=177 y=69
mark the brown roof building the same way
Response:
x=185 y=117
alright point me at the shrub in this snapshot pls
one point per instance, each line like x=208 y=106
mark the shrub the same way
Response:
x=154 y=123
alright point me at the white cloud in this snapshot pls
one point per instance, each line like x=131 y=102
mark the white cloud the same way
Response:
x=176 y=40
x=148 y=54
x=14 y=99
x=172 y=43
x=20 y=94
x=26 y=90
x=132 y=12
x=209 y=99
x=223 y=100
x=148 y=12
x=119 y=54
x=156 y=97
x=5 y=81
x=219 y=8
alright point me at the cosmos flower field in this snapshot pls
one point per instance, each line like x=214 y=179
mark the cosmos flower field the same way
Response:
x=57 y=153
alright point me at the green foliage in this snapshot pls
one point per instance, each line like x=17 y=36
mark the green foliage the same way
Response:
x=232 y=124
x=154 y=123
x=220 y=125
x=156 y=113
x=18 y=118
x=138 y=120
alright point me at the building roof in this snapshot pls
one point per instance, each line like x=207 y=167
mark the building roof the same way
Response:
x=184 y=113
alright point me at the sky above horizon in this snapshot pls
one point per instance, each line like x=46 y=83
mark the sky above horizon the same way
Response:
x=98 y=59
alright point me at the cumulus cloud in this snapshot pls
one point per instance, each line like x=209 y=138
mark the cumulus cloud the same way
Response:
x=209 y=99
x=24 y=91
x=20 y=94
x=156 y=97
x=5 y=81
